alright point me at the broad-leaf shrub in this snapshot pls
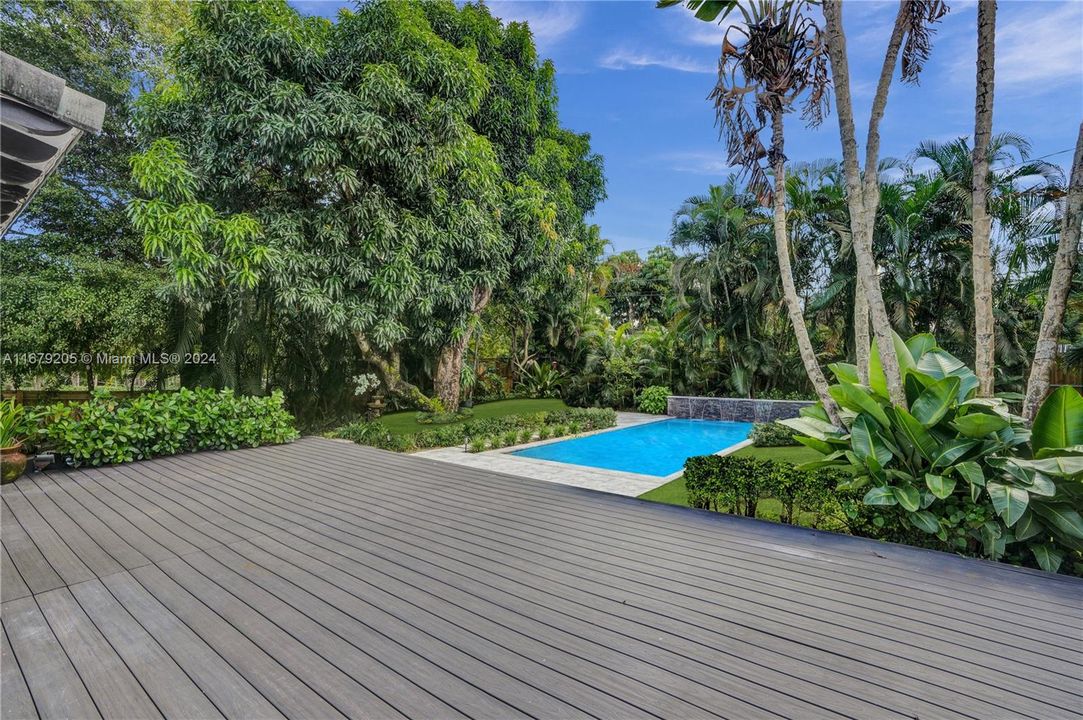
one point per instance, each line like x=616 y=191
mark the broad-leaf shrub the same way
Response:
x=961 y=468
x=654 y=399
x=106 y=430
x=771 y=434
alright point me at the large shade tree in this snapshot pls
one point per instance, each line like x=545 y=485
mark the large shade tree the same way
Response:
x=351 y=161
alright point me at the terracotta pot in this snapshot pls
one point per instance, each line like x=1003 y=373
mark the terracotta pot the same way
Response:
x=12 y=463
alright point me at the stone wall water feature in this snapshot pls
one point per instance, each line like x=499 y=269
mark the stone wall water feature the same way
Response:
x=737 y=409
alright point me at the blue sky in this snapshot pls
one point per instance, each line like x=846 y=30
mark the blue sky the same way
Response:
x=636 y=78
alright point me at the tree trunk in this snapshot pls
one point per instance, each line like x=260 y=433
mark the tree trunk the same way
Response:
x=449 y=370
x=789 y=290
x=388 y=370
x=1063 y=268
x=449 y=363
x=981 y=260
x=863 y=195
x=861 y=332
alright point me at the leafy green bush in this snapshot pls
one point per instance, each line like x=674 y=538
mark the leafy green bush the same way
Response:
x=737 y=484
x=771 y=434
x=540 y=380
x=106 y=430
x=961 y=468
x=653 y=399
x=476 y=445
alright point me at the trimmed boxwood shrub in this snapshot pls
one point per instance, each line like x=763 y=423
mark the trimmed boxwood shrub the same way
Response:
x=508 y=429
x=771 y=434
x=737 y=484
x=106 y=430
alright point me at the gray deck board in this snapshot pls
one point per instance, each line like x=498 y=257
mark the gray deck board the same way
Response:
x=95 y=528
x=322 y=579
x=52 y=546
x=97 y=560
x=12 y=586
x=15 y=700
x=33 y=568
x=56 y=687
x=535 y=529
x=220 y=681
x=116 y=691
x=167 y=684
x=888 y=665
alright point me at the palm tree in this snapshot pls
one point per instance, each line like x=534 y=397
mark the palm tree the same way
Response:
x=777 y=58
x=981 y=222
x=1063 y=269
x=910 y=38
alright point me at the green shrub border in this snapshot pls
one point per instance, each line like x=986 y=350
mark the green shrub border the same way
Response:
x=496 y=432
x=106 y=430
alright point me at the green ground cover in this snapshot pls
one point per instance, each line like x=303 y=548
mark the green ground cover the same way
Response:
x=674 y=493
x=405 y=423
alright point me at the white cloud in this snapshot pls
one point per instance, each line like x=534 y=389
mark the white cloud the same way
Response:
x=701 y=162
x=549 y=21
x=1041 y=48
x=621 y=59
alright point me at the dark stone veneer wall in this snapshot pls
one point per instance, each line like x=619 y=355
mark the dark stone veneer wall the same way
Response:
x=738 y=409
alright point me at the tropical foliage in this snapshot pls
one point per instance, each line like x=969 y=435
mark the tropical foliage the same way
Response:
x=957 y=466
x=105 y=430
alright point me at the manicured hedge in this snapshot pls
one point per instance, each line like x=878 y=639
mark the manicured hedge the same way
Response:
x=771 y=434
x=377 y=435
x=736 y=484
x=107 y=430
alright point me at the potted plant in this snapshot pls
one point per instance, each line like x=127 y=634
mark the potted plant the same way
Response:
x=12 y=459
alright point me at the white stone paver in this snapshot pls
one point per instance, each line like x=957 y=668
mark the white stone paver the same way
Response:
x=612 y=481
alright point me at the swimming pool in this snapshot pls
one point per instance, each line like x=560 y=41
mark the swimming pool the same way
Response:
x=655 y=448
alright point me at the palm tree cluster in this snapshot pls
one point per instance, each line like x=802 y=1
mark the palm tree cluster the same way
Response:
x=724 y=327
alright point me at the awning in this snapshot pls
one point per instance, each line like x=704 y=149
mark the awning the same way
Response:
x=41 y=118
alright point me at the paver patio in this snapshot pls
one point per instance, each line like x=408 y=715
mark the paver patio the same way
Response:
x=322 y=579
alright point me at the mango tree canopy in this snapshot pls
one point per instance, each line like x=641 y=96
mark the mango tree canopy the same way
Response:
x=41 y=118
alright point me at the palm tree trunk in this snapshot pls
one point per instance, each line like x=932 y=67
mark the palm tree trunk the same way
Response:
x=1063 y=268
x=863 y=196
x=789 y=290
x=861 y=332
x=981 y=260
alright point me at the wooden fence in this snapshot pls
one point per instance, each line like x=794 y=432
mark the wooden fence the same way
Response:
x=45 y=397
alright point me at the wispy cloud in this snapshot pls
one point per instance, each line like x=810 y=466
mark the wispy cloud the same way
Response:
x=621 y=59
x=698 y=162
x=1044 y=48
x=549 y=21
x=1039 y=46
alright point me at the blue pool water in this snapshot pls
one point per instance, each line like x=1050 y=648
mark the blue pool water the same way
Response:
x=657 y=448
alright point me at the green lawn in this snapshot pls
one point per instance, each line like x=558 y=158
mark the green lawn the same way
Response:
x=673 y=492
x=403 y=423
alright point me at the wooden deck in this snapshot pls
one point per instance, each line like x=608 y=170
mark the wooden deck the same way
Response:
x=322 y=579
